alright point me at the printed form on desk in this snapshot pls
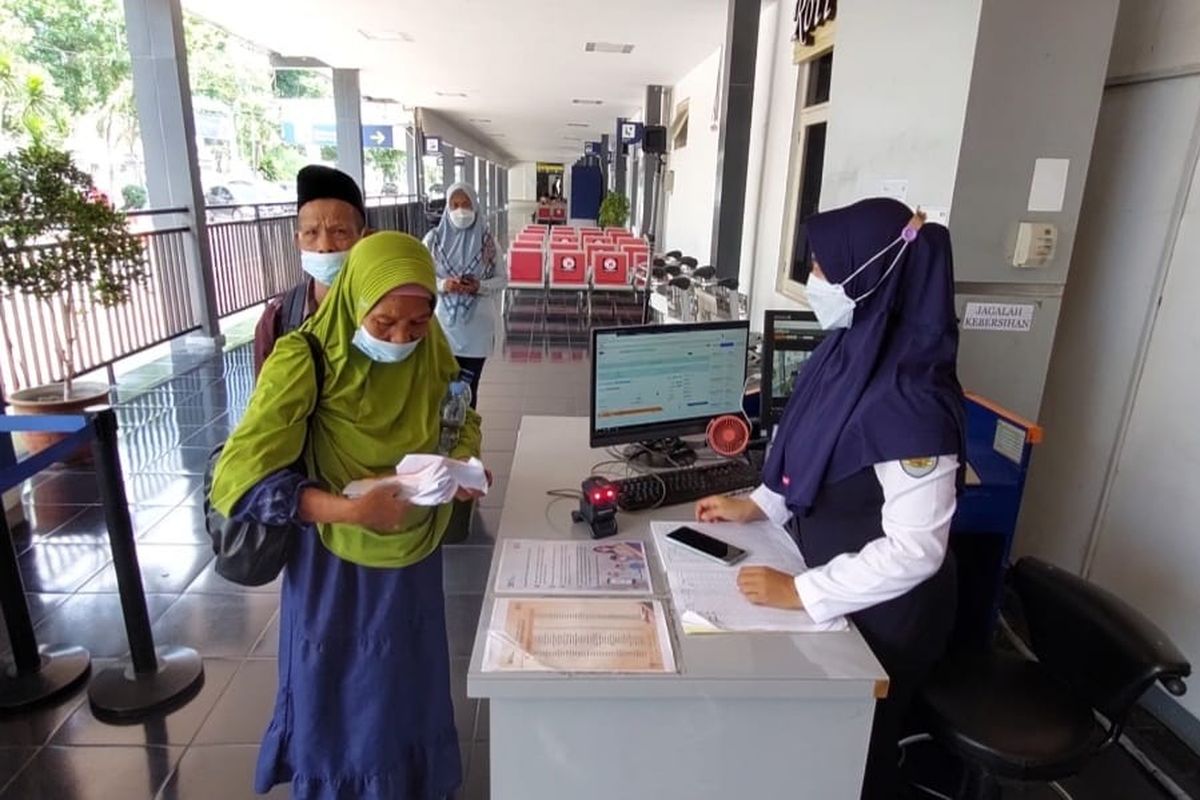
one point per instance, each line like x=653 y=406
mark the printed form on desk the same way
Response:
x=705 y=593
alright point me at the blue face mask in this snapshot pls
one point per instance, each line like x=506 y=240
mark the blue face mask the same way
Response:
x=323 y=267
x=381 y=351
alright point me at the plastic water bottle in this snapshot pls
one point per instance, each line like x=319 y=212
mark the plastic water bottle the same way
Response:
x=454 y=412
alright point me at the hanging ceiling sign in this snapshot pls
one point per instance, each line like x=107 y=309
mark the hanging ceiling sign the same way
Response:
x=631 y=132
x=810 y=15
x=433 y=145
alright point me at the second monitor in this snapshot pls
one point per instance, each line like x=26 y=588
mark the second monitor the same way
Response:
x=653 y=384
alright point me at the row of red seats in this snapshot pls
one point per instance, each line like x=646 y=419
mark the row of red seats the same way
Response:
x=576 y=257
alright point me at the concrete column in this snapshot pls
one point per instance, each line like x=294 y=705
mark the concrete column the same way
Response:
x=653 y=113
x=162 y=92
x=347 y=106
x=469 y=170
x=502 y=202
x=733 y=148
x=413 y=150
x=620 y=160
x=605 y=167
x=481 y=188
x=448 y=156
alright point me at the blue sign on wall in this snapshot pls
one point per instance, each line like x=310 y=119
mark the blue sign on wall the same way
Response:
x=324 y=134
x=377 y=136
x=288 y=133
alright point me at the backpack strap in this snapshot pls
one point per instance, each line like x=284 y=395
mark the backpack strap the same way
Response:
x=294 y=308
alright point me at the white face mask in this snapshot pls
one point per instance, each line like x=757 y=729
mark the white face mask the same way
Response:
x=382 y=351
x=829 y=301
x=462 y=218
x=323 y=267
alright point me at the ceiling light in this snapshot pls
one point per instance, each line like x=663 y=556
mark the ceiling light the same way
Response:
x=608 y=47
x=578 y=125
x=387 y=36
x=577 y=101
x=481 y=121
x=573 y=139
x=450 y=94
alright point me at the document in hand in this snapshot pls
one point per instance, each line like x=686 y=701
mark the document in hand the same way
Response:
x=705 y=593
x=428 y=480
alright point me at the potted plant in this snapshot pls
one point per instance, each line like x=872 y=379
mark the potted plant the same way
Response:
x=63 y=245
x=614 y=210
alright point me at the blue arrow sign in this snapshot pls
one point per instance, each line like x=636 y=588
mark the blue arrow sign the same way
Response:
x=377 y=136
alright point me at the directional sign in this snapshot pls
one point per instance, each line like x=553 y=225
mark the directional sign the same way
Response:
x=377 y=136
x=324 y=134
x=631 y=132
x=433 y=145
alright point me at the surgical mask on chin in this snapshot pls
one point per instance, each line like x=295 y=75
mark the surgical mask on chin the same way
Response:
x=323 y=267
x=381 y=351
x=462 y=218
x=829 y=302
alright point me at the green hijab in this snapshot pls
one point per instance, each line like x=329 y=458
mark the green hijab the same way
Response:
x=369 y=415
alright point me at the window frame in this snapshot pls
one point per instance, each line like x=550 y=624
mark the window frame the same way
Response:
x=803 y=118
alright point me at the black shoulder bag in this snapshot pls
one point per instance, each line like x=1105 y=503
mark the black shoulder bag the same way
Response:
x=251 y=553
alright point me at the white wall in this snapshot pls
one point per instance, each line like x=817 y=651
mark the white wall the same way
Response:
x=1156 y=36
x=689 y=205
x=522 y=183
x=1112 y=491
x=770 y=130
x=898 y=100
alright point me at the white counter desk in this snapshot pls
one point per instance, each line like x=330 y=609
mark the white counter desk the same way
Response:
x=747 y=715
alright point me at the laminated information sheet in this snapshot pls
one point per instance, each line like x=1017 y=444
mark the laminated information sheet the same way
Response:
x=705 y=592
x=578 y=635
x=534 y=566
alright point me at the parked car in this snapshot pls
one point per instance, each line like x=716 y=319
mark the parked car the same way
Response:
x=238 y=199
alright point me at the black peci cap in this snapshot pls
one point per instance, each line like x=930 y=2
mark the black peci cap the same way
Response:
x=318 y=182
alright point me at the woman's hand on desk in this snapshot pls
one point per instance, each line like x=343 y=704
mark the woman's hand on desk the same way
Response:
x=728 y=509
x=381 y=510
x=764 y=586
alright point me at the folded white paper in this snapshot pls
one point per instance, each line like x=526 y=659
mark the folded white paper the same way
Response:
x=428 y=480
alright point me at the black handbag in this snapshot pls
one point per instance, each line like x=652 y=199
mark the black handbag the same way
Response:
x=251 y=553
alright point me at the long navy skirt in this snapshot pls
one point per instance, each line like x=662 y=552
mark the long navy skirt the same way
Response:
x=363 y=710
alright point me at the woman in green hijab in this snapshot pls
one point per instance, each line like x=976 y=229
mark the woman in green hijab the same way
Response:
x=363 y=709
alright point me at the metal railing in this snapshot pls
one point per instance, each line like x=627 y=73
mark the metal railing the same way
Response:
x=254 y=258
x=159 y=309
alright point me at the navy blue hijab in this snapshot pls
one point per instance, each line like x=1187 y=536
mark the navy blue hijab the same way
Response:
x=886 y=388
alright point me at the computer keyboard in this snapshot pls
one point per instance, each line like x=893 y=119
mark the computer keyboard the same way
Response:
x=676 y=486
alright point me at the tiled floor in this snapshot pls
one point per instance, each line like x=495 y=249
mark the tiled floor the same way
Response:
x=207 y=748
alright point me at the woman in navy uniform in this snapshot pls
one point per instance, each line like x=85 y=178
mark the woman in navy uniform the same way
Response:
x=865 y=463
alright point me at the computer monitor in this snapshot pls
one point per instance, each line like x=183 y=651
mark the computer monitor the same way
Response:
x=789 y=339
x=659 y=382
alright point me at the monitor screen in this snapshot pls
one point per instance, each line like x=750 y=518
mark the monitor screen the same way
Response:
x=662 y=381
x=789 y=340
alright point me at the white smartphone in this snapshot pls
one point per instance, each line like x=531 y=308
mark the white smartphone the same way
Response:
x=707 y=546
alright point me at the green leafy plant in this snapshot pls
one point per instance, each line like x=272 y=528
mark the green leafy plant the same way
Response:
x=133 y=197
x=614 y=210
x=62 y=242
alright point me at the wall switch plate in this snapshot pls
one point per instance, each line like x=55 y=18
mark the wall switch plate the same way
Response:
x=1036 y=243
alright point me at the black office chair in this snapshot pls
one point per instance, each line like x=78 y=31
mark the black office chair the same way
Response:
x=688 y=262
x=704 y=273
x=675 y=254
x=1008 y=717
x=674 y=270
x=681 y=282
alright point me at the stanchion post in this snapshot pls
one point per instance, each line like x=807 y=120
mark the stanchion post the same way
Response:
x=121 y=540
x=160 y=677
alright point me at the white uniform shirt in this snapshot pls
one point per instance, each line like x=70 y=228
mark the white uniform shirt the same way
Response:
x=919 y=500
